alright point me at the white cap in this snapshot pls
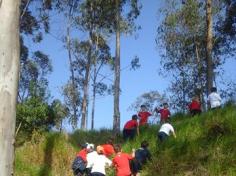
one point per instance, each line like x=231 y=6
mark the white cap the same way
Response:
x=90 y=146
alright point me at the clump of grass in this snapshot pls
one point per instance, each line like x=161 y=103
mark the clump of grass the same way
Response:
x=45 y=155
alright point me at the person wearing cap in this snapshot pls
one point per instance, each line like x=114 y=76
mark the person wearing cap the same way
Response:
x=121 y=161
x=165 y=130
x=90 y=155
x=131 y=128
x=99 y=162
x=108 y=148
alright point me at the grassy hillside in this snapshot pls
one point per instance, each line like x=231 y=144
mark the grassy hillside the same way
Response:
x=205 y=145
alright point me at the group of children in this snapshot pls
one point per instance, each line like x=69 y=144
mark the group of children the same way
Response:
x=92 y=162
x=131 y=127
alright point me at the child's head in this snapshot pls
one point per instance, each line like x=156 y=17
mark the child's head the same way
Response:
x=100 y=150
x=144 y=144
x=90 y=147
x=213 y=89
x=143 y=107
x=165 y=105
x=134 y=117
x=117 y=148
x=195 y=98
x=110 y=140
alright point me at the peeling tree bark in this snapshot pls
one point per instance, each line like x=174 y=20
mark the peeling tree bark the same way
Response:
x=209 y=46
x=116 y=118
x=9 y=77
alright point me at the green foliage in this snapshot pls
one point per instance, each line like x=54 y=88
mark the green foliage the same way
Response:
x=80 y=137
x=151 y=99
x=33 y=114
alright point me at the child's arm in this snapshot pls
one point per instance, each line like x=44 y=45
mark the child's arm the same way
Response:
x=173 y=132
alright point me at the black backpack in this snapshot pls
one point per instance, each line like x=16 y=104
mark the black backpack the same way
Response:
x=78 y=165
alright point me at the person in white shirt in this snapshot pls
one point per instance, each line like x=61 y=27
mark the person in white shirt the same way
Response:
x=99 y=163
x=214 y=99
x=165 y=131
x=90 y=155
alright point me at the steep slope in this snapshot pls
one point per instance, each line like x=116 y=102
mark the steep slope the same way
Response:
x=205 y=145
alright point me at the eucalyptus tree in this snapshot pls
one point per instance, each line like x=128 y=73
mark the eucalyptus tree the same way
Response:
x=209 y=45
x=70 y=10
x=101 y=57
x=59 y=111
x=9 y=74
x=34 y=21
x=123 y=23
x=183 y=36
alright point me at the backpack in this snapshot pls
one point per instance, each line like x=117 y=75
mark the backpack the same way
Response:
x=78 y=165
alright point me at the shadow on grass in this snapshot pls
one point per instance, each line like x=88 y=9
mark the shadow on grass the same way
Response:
x=46 y=168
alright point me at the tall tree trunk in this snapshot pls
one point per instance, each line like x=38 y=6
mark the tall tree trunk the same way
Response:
x=116 y=118
x=209 y=46
x=9 y=77
x=86 y=86
x=201 y=90
x=75 y=117
x=94 y=94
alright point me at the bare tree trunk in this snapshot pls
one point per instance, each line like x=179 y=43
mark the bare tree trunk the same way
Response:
x=199 y=64
x=94 y=95
x=116 y=118
x=209 y=46
x=9 y=77
x=86 y=87
x=75 y=117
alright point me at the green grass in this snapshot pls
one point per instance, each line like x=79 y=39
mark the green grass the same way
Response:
x=205 y=145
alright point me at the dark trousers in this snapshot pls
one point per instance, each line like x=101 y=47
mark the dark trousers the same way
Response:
x=194 y=112
x=97 y=174
x=162 y=136
x=129 y=133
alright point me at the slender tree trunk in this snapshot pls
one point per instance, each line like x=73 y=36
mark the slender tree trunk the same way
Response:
x=94 y=95
x=75 y=117
x=209 y=46
x=199 y=65
x=116 y=118
x=9 y=77
x=86 y=86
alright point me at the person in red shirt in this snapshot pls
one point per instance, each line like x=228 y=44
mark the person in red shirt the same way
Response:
x=195 y=106
x=80 y=162
x=165 y=113
x=108 y=148
x=121 y=161
x=143 y=115
x=131 y=128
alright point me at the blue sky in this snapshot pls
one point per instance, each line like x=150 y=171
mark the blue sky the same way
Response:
x=133 y=83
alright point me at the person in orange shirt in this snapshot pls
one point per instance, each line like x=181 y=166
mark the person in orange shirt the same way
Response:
x=121 y=161
x=131 y=128
x=143 y=115
x=108 y=148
